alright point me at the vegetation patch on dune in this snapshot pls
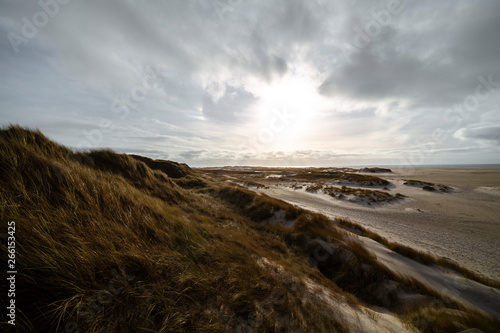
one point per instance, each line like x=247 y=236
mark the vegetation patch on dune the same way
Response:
x=358 y=195
x=318 y=175
x=181 y=173
x=426 y=186
x=376 y=170
x=250 y=183
x=363 y=180
x=338 y=177
x=109 y=244
x=419 y=256
x=314 y=188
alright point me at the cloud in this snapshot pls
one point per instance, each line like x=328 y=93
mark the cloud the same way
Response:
x=480 y=133
x=421 y=57
x=214 y=66
x=231 y=106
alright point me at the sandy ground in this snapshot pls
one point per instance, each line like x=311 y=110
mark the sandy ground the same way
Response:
x=463 y=225
x=359 y=318
x=468 y=292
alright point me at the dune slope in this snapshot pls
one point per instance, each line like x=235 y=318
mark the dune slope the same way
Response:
x=112 y=243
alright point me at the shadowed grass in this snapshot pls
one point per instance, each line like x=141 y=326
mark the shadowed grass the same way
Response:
x=92 y=223
x=111 y=245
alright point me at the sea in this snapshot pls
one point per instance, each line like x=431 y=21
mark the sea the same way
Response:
x=449 y=166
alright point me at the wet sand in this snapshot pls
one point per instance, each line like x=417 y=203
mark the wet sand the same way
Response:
x=463 y=225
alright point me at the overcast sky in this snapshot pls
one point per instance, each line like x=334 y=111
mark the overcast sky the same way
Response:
x=263 y=82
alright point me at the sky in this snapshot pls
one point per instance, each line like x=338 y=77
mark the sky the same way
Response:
x=262 y=82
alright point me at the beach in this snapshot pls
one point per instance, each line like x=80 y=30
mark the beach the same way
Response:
x=462 y=225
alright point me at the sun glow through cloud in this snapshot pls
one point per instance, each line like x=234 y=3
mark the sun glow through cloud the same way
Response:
x=295 y=95
x=220 y=81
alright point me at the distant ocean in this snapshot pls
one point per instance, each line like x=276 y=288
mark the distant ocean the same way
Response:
x=450 y=166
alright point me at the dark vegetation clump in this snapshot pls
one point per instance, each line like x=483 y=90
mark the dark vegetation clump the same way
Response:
x=426 y=186
x=336 y=176
x=181 y=173
x=376 y=170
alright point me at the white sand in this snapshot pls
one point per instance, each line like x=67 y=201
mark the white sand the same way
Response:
x=358 y=318
x=463 y=226
x=451 y=284
x=492 y=190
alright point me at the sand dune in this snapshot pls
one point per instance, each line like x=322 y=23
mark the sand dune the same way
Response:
x=463 y=225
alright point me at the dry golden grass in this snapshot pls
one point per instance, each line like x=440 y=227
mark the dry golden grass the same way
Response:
x=112 y=245
x=314 y=188
x=434 y=319
x=368 y=196
x=83 y=219
x=419 y=256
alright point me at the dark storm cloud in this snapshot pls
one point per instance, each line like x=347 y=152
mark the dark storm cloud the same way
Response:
x=431 y=54
x=486 y=132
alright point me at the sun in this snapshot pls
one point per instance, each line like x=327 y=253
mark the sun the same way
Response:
x=296 y=93
x=295 y=96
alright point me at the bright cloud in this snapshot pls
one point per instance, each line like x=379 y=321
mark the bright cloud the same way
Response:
x=262 y=82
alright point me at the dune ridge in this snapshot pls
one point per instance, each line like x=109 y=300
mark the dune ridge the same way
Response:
x=114 y=243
